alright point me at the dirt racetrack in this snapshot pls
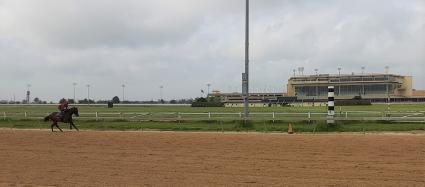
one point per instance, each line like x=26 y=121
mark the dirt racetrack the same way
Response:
x=42 y=158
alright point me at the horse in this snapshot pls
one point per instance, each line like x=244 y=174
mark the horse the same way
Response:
x=67 y=118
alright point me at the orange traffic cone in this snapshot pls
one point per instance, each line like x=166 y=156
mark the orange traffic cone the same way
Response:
x=290 y=130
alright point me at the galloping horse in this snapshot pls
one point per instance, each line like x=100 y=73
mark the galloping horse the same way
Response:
x=67 y=118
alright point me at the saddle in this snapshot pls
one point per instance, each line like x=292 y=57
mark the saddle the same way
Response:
x=61 y=115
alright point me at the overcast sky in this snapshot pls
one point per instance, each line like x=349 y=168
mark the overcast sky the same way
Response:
x=185 y=44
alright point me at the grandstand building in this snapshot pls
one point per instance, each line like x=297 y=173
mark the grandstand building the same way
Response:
x=313 y=90
x=372 y=86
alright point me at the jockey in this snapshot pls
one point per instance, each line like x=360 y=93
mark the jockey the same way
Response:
x=63 y=107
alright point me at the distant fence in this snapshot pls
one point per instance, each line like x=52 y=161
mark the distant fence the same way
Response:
x=405 y=116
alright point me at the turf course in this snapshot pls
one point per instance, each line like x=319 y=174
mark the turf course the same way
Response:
x=217 y=125
x=89 y=109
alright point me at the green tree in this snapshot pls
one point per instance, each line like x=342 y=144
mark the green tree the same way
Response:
x=71 y=101
x=116 y=99
x=36 y=100
x=62 y=100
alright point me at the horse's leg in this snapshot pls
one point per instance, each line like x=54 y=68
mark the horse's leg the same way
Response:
x=58 y=127
x=53 y=124
x=72 y=124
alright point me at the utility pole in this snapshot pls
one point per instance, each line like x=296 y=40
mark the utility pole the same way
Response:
x=245 y=76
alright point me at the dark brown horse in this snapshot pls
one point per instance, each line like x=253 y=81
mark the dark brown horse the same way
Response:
x=67 y=118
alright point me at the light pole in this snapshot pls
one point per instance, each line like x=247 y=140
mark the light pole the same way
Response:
x=88 y=94
x=160 y=93
x=317 y=79
x=294 y=70
x=28 y=93
x=339 y=76
x=208 y=90
x=363 y=68
x=387 y=68
x=123 y=87
x=74 y=84
x=245 y=76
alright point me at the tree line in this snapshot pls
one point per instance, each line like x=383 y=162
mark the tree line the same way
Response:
x=115 y=100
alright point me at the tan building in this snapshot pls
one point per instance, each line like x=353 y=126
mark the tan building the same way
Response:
x=418 y=93
x=348 y=86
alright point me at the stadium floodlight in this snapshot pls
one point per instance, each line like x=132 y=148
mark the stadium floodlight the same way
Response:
x=208 y=90
x=28 y=93
x=387 y=70
x=363 y=91
x=74 y=85
x=316 y=70
x=301 y=70
x=160 y=92
x=339 y=75
x=123 y=87
x=294 y=70
x=88 y=94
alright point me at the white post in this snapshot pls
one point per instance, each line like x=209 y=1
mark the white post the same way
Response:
x=346 y=115
x=4 y=116
x=209 y=115
x=273 y=115
x=25 y=115
x=309 y=115
x=97 y=116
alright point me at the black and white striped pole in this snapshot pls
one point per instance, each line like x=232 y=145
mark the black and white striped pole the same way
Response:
x=331 y=105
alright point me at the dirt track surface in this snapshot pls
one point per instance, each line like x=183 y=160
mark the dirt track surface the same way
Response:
x=42 y=158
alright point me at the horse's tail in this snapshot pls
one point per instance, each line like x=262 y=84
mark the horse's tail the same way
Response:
x=47 y=118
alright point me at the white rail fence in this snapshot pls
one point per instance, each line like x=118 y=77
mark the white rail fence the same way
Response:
x=409 y=116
